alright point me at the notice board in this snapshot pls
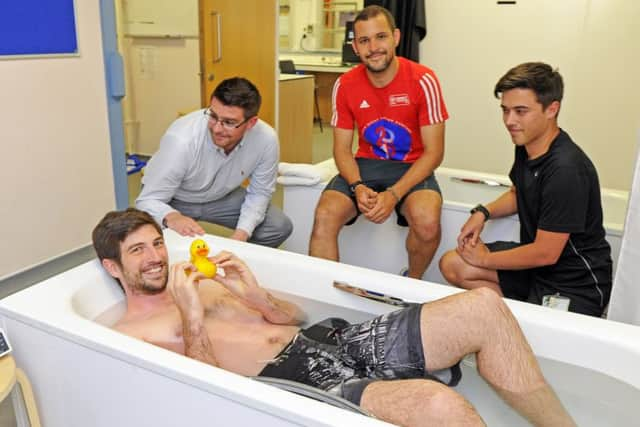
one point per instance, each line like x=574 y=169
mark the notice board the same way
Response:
x=37 y=27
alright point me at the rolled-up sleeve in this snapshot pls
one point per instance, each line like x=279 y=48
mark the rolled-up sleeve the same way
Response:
x=162 y=177
x=262 y=184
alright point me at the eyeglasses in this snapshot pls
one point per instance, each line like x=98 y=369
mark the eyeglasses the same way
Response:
x=226 y=123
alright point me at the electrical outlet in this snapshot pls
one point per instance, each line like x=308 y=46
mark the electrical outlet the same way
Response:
x=309 y=29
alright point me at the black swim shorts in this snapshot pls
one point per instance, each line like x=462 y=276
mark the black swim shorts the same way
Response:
x=343 y=359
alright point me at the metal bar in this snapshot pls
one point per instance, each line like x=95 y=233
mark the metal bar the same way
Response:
x=487 y=182
x=217 y=57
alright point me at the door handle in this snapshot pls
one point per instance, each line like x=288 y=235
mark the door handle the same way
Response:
x=217 y=57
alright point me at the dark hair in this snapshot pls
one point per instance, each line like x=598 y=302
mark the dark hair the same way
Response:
x=239 y=92
x=543 y=80
x=373 y=11
x=114 y=228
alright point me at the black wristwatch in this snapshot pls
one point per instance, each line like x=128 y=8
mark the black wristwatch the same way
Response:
x=480 y=208
x=353 y=185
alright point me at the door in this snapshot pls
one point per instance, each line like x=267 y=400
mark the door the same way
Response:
x=240 y=39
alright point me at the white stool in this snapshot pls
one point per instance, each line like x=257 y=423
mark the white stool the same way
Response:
x=9 y=376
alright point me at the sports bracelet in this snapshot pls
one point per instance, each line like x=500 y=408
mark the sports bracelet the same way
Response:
x=393 y=193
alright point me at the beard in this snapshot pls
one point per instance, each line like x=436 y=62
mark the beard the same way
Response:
x=381 y=67
x=141 y=285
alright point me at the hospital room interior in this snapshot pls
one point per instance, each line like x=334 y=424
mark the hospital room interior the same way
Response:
x=80 y=124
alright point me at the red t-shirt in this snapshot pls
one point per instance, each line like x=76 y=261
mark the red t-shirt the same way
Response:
x=389 y=118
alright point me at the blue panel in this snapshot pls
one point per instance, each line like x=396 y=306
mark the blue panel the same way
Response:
x=115 y=91
x=37 y=27
x=115 y=72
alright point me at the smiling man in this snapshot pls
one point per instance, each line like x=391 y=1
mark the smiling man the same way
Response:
x=398 y=108
x=390 y=365
x=562 y=253
x=203 y=159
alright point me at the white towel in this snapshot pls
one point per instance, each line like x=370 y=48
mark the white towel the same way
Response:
x=297 y=180
x=304 y=173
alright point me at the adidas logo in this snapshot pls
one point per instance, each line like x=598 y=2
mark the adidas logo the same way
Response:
x=364 y=104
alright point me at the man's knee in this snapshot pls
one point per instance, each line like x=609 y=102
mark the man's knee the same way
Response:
x=417 y=403
x=493 y=304
x=273 y=231
x=423 y=222
x=447 y=407
x=450 y=265
x=285 y=227
x=328 y=218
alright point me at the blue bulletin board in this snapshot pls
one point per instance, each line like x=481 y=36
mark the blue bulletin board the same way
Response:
x=37 y=27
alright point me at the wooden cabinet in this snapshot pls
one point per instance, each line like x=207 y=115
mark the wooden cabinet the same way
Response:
x=295 y=124
x=326 y=77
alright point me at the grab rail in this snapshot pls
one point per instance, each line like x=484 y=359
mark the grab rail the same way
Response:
x=488 y=182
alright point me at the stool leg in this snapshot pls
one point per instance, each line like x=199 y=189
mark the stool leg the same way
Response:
x=27 y=395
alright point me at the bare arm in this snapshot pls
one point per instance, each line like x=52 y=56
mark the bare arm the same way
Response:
x=545 y=250
x=348 y=168
x=183 y=224
x=241 y=282
x=504 y=205
x=184 y=290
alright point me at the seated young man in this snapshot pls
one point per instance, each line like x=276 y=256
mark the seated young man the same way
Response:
x=556 y=194
x=387 y=374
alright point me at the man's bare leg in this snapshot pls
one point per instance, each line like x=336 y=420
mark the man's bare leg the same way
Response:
x=333 y=211
x=463 y=275
x=422 y=211
x=417 y=403
x=479 y=322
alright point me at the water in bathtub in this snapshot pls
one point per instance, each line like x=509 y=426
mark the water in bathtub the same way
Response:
x=592 y=398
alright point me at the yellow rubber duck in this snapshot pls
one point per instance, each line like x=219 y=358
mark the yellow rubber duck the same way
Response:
x=199 y=251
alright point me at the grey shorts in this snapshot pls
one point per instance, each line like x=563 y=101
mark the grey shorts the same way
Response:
x=343 y=359
x=380 y=175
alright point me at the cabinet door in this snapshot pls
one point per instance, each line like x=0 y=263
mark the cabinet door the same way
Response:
x=239 y=39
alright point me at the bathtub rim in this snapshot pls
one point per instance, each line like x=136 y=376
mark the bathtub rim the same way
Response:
x=614 y=228
x=73 y=327
x=615 y=340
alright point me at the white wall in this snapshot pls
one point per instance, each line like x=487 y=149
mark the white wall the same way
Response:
x=471 y=43
x=55 y=160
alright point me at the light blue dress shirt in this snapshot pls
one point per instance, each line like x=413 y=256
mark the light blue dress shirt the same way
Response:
x=189 y=167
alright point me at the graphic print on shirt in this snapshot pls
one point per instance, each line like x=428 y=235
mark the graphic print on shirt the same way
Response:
x=390 y=140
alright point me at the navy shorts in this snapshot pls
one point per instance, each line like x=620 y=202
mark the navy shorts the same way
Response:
x=524 y=285
x=343 y=359
x=380 y=175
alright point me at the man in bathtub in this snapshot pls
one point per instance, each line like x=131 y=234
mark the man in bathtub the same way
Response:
x=385 y=365
x=562 y=253
x=398 y=108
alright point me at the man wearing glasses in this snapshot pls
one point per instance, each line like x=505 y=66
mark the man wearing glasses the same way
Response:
x=203 y=159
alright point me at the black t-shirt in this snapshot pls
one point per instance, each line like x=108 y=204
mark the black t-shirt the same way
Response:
x=559 y=192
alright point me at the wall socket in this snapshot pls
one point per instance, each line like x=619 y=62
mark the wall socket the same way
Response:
x=308 y=29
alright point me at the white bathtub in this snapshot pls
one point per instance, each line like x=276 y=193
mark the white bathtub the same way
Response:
x=382 y=247
x=85 y=374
